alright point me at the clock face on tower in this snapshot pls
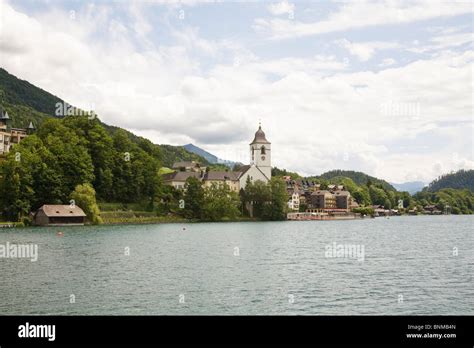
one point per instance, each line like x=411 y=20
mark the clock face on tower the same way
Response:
x=263 y=158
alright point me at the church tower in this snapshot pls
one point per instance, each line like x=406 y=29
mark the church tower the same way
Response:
x=260 y=153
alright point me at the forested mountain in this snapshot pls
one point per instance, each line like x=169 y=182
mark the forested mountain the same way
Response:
x=21 y=92
x=25 y=102
x=358 y=177
x=213 y=159
x=462 y=179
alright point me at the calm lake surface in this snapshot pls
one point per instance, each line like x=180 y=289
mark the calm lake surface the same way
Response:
x=410 y=266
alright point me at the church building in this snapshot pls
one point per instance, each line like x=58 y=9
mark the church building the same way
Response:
x=260 y=168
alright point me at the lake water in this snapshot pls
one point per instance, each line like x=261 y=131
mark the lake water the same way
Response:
x=410 y=265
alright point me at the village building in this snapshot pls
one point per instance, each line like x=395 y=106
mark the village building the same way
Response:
x=379 y=210
x=323 y=199
x=336 y=199
x=431 y=210
x=59 y=215
x=188 y=166
x=221 y=178
x=178 y=179
x=294 y=202
x=258 y=169
x=343 y=200
x=10 y=136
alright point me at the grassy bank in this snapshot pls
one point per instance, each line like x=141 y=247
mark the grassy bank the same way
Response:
x=7 y=224
x=136 y=217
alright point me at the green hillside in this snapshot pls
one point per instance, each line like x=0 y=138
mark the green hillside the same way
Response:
x=462 y=179
x=25 y=102
x=358 y=177
x=20 y=92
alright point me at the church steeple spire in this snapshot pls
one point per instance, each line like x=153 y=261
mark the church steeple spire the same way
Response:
x=260 y=152
x=260 y=136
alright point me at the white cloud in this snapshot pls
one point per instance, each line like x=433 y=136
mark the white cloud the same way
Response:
x=365 y=50
x=318 y=115
x=387 y=62
x=282 y=7
x=359 y=14
x=442 y=42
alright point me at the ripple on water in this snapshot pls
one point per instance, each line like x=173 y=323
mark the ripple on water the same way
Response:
x=281 y=268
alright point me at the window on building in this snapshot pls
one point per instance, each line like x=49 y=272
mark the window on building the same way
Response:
x=262 y=150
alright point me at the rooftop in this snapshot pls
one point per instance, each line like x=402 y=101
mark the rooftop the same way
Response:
x=51 y=210
x=180 y=176
x=260 y=137
x=221 y=175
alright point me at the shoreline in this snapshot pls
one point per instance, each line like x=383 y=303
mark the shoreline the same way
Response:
x=10 y=225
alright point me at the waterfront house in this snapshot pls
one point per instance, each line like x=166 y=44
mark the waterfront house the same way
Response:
x=431 y=210
x=323 y=199
x=59 y=215
x=342 y=198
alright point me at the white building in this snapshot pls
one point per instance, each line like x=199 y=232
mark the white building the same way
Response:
x=294 y=202
x=260 y=168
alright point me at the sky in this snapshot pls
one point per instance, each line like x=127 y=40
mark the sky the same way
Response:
x=381 y=87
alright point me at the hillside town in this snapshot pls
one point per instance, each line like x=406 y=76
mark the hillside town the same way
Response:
x=306 y=199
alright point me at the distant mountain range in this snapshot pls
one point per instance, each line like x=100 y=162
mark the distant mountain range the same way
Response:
x=213 y=159
x=411 y=186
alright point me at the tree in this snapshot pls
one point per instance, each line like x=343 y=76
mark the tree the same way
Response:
x=168 y=198
x=193 y=199
x=257 y=195
x=27 y=180
x=361 y=195
x=267 y=201
x=220 y=203
x=276 y=210
x=100 y=147
x=84 y=197
x=72 y=161
x=377 y=195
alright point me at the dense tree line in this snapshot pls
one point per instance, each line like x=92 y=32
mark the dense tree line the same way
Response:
x=374 y=192
x=47 y=166
x=460 y=201
x=462 y=179
x=358 y=177
x=283 y=172
x=455 y=200
x=264 y=201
